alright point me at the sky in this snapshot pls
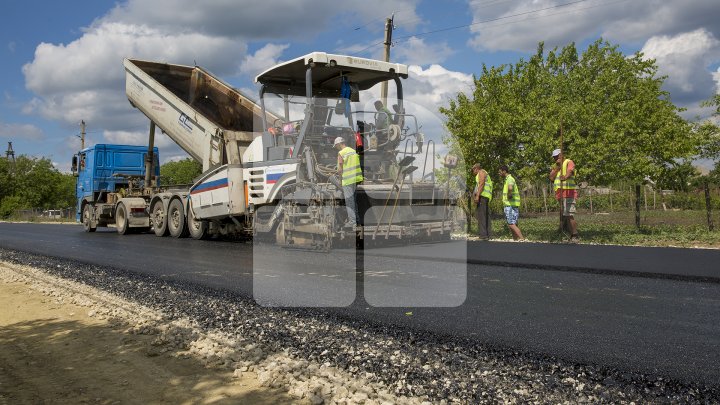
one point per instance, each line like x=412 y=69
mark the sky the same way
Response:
x=62 y=61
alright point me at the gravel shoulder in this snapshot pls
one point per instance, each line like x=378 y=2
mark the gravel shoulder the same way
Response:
x=312 y=355
x=58 y=348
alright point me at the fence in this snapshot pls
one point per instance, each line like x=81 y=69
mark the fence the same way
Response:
x=42 y=214
x=617 y=204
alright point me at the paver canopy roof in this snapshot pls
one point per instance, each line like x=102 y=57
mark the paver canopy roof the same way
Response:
x=327 y=73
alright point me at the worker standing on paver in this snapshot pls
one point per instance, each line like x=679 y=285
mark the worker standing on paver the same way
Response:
x=351 y=174
x=563 y=177
x=482 y=197
x=383 y=117
x=511 y=202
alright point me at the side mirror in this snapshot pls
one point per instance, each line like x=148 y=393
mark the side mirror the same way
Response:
x=74 y=166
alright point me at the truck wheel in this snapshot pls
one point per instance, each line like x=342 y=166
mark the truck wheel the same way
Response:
x=159 y=219
x=176 y=219
x=87 y=219
x=198 y=229
x=121 y=220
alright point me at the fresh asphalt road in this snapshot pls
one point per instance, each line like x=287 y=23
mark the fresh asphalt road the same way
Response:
x=616 y=310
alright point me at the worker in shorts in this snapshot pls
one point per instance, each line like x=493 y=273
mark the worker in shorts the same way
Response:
x=511 y=202
x=562 y=175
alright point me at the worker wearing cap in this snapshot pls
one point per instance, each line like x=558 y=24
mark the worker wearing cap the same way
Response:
x=511 y=202
x=563 y=177
x=351 y=174
x=482 y=197
x=384 y=116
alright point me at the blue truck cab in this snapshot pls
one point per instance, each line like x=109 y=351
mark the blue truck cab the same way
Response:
x=105 y=168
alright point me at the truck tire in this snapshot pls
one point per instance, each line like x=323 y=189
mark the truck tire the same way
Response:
x=159 y=219
x=198 y=229
x=121 y=220
x=87 y=218
x=176 y=221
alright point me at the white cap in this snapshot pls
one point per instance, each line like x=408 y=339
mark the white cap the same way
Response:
x=338 y=140
x=556 y=152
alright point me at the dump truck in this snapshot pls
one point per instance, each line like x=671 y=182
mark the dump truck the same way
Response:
x=269 y=165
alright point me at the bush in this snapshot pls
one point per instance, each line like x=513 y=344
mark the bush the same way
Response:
x=9 y=205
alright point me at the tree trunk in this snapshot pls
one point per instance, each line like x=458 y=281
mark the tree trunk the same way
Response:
x=637 y=206
x=591 y=202
x=544 y=191
x=708 y=207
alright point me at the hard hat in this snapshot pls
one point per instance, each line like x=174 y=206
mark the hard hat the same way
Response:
x=338 y=141
x=556 y=152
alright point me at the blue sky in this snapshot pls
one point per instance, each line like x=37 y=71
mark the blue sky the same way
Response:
x=62 y=61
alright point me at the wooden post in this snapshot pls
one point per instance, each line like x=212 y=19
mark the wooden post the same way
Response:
x=637 y=206
x=708 y=207
x=82 y=134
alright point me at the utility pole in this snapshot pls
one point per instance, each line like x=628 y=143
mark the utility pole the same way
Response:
x=388 y=41
x=82 y=134
x=10 y=153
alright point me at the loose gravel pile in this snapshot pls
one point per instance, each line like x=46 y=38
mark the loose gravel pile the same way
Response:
x=326 y=358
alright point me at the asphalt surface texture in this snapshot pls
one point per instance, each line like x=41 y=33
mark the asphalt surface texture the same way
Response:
x=644 y=310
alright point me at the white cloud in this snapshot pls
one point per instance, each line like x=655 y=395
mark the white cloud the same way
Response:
x=137 y=138
x=519 y=27
x=21 y=131
x=425 y=91
x=434 y=86
x=262 y=59
x=256 y=19
x=415 y=51
x=84 y=79
x=685 y=59
x=95 y=59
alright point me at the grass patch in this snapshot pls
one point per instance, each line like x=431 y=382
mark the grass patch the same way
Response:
x=658 y=228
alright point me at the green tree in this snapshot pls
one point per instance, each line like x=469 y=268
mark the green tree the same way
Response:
x=678 y=176
x=609 y=110
x=180 y=172
x=34 y=183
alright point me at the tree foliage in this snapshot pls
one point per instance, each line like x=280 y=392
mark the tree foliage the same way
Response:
x=616 y=121
x=34 y=183
x=180 y=172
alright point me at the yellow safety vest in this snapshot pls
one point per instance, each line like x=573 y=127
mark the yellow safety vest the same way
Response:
x=487 y=188
x=568 y=184
x=515 y=201
x=352 y=173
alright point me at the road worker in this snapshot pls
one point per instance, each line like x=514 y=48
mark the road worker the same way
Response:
x=482 y=197
x=383 y=116
x=511 y=202
x=562 y=175
x=350 y=172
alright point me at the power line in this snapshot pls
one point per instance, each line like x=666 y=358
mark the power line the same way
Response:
x=491 y=20
x=366 y=48
x=405 y=38
x=558 y=13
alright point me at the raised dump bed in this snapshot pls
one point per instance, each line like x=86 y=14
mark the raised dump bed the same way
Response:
x=196 y=109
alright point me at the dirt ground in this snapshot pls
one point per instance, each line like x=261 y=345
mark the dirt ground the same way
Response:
x=53 y=353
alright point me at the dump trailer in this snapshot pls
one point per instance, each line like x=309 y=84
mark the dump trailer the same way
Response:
x=273 y=174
